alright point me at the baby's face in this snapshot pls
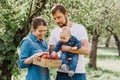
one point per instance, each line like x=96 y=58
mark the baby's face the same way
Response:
x=64 y=39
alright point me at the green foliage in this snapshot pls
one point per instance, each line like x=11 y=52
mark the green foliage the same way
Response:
x=10 y=22
x=17 y=14
x=15 y=19
x=91 y=13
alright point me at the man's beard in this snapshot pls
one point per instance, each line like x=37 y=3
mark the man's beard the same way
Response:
x=65 y=22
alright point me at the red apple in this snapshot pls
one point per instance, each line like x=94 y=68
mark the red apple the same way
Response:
x=45 y=56
x=50 y=57
x=56 y=57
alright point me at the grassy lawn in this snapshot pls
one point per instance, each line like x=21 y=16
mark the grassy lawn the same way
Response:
x=108 y=64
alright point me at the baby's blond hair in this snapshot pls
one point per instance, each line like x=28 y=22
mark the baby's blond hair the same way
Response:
x=65 y=31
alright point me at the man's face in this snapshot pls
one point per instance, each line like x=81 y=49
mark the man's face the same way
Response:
x=60 y=18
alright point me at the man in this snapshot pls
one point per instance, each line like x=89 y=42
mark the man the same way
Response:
x=60 y=16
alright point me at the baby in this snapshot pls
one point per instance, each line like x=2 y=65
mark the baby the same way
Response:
x=67 y=39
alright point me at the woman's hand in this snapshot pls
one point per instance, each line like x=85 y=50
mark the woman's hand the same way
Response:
x=30 y=59
x=40 y=53
x=54 y=53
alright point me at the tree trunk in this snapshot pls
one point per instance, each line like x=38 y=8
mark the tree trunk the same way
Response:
x=117 y=41
x=6 y=65
x=5 y=71
x=93 y=52
x=107 y=41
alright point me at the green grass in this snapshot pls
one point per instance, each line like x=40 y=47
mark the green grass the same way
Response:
x=108 y=66
x=107 y=51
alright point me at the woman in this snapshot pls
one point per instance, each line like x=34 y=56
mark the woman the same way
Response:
x=34 y=45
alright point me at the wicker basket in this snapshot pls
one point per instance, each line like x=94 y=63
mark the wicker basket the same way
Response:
x=50 y=63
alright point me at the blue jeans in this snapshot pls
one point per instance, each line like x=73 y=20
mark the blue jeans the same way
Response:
x=76 y=76
x=72 y=63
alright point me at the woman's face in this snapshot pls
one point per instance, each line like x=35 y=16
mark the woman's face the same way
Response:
x=40 y=32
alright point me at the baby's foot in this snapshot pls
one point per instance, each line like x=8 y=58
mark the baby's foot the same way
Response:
x=64 y=67
x=71 y=73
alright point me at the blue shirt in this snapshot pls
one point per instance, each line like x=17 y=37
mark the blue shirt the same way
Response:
x=29 y=46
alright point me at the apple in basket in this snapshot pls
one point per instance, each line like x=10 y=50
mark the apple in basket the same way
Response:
x=45 y=56
x=56 y=57
x=53 y=57
x=50 y=56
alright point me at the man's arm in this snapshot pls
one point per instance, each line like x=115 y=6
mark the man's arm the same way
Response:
x=85 y=48
x=78 y=43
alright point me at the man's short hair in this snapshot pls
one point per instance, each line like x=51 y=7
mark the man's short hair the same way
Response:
x=60 y=8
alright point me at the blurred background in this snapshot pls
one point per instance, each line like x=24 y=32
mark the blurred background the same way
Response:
x=101 y=18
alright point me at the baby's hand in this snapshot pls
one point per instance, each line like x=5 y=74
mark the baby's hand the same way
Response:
x=54 y=53
x=74 y=48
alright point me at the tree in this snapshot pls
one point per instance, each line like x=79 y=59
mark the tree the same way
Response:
x=95 y=15
x=108 y=40
x=15 y=20
x=113 y=22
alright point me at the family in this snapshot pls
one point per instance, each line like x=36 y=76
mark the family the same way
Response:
x=69 y=38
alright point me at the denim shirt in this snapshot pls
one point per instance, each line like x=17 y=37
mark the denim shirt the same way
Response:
x=29 y=46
